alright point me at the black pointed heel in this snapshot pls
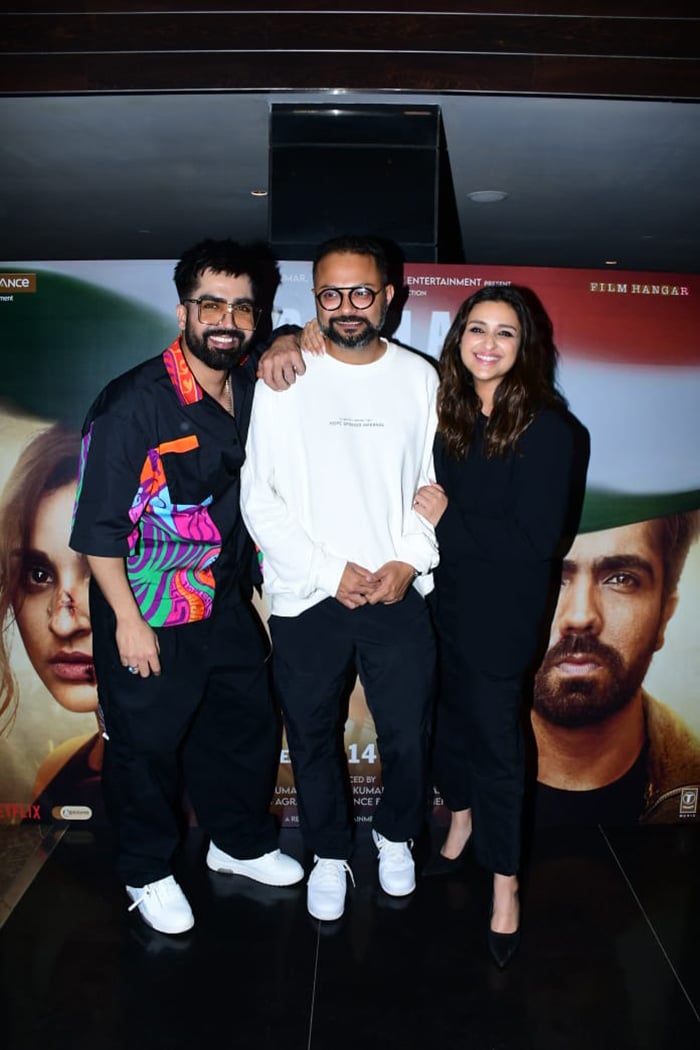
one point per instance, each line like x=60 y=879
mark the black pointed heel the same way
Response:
x=441 y=865
x=503 y=947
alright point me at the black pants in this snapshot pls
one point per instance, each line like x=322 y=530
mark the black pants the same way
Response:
x=479 y=757
x=210 y=716
x=393 y=649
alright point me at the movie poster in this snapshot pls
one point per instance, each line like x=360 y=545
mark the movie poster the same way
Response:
x=631 y=374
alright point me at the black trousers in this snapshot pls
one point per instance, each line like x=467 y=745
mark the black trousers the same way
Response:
x=207 y=723
x=392 y=647
x=479 y=754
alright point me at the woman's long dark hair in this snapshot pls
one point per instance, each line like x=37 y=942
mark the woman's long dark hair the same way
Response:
x=526 y=389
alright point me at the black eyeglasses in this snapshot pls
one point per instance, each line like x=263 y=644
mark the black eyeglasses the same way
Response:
x=213 y=311
x=360 y=296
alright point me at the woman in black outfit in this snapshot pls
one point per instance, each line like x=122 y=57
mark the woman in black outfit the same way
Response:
x=505 y=462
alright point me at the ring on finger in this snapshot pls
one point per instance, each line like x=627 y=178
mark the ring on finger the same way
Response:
x=132 y=670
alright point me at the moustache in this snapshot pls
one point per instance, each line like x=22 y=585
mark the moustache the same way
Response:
x=348 y=319
x=225 y=333
x=579 y=645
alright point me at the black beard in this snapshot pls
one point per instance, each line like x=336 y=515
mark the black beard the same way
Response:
x=361 y=339
x=219 y=360
x=585 y=701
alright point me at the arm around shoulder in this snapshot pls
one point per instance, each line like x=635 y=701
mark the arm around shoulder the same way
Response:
x=280 y=360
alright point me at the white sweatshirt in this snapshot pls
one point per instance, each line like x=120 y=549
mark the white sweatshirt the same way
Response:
x=332 y=466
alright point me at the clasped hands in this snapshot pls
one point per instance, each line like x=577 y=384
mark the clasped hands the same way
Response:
x=385 y=586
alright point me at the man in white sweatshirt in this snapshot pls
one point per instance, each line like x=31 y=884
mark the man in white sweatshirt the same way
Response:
x=332 y=466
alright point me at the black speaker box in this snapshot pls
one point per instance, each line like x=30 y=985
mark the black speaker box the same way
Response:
x=359 y=169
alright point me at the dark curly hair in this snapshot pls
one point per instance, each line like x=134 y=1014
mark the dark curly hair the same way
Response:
x=527 y=388
x=224 y=256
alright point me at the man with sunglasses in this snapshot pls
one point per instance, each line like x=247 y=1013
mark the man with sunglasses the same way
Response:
x=327 y=491
x=181 y=659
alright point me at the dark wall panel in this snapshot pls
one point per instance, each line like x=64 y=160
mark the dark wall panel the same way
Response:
x=620 y=48
x=352 y=169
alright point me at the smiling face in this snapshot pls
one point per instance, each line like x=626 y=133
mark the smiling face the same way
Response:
x=489 y=346
x=218 y=346
x=609 y=621
x=52 y=610
x=352 y=334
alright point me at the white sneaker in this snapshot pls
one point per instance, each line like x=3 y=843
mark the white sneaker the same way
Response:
x=274 y=869
x=397 y=872
x=162 y=905
x=325 y=890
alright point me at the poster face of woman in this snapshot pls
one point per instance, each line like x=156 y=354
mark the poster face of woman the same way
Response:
x=49 y=692
x=52 y=611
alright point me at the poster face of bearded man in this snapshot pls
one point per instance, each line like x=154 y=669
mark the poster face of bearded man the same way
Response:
x=610 y=619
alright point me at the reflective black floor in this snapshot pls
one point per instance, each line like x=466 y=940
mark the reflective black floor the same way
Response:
x=609 y=957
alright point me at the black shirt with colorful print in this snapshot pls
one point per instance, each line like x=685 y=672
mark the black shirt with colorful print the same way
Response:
x=159 y=485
